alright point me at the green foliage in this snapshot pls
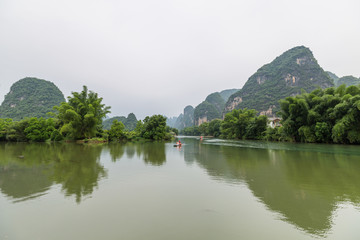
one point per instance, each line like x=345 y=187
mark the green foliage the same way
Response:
x=16 y=131
x=172 y=130
x=275 y=134
x=29 y=129
x=129 y=122
x=56 y=136
x=214 y=128
x=204 y=129
x=243 y=124
x=153 y=128
x=39 y=130
x=116 y=132
x=30 y=97
x=191 y=131
x=82 y=115
x=4 y=127
x=324 y=116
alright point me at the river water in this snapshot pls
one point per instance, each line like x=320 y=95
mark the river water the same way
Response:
x=210 y=189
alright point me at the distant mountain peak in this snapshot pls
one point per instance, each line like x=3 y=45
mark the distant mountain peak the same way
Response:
x=285 y=76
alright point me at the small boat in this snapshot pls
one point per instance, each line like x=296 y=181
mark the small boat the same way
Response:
x=177 y=145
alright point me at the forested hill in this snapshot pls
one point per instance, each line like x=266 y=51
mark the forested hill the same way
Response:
x=185 y=119
x=225 y=94
x=130 y=122
x=30 y=97
x=333 y=77
x=211 y=108
x=292 y=71
x=348 y=81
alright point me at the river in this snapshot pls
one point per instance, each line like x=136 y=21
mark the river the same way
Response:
x=210 y=189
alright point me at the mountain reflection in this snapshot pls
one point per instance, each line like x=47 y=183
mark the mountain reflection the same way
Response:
x=28 y=170
x=305 y=187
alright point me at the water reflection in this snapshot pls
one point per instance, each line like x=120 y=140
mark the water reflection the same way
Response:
x=305 y=187
x=77 y=168
x=152 y=153
x=28 y=170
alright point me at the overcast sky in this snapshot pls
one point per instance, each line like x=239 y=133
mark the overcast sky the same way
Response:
x=157 y=56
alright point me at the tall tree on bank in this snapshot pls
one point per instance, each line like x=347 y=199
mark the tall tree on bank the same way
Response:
x=82 y=115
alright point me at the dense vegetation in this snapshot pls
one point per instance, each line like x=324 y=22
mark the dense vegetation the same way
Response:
x=294 y=70
x=327 y=116
x=30 y=97
x=238 y=124
x=323 y=116
x=151 y=128
x=129 y=122
x=81 y=117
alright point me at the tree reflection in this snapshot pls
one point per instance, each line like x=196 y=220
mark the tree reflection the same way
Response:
x=116 y=151
x=304 y=186
x=28 y=170
x=153 y=153
x=78 y=169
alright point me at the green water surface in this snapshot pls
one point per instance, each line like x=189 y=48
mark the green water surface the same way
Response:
x=210 y=189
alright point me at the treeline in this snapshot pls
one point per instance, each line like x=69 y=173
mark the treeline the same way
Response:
x=323 y=116
x=238 y=124
x=152 y=128
x=81 y=119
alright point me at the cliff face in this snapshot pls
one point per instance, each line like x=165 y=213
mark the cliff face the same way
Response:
x=209 y=109
x=185 y=119
x=292 y=71
x=30 y=97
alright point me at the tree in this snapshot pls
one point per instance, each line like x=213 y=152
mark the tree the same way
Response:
x=235 y=124
x=39 y=130
x=153 y=128
x=82 y=115
x=116 y=131
x=4 y=125
x=214 y=127
x=329 y=115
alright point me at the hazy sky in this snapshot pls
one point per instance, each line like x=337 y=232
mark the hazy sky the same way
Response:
x=157 y=56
